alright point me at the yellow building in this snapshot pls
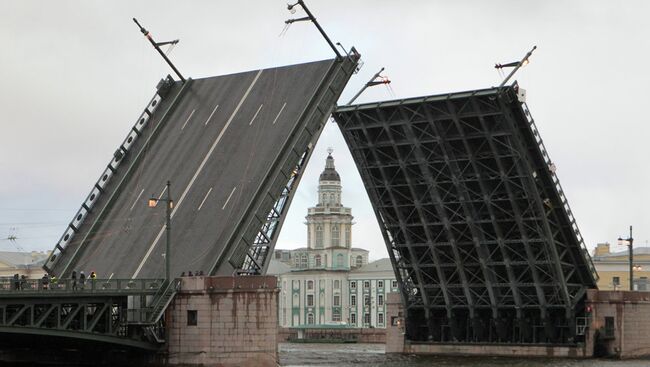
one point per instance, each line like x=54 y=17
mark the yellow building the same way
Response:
x=614 y=268
x=29 y=264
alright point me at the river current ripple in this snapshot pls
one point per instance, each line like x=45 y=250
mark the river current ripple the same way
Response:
x=372 y=355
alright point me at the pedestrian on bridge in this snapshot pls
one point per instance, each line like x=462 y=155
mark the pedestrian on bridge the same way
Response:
x=45 y=281
x=16 y=282
x=74 y=280
x=93 y=276
x=82 y=279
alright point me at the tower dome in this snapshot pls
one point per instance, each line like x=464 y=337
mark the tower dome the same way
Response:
x=329 y=173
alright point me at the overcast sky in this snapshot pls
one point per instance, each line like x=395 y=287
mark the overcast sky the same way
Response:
x=76 y=75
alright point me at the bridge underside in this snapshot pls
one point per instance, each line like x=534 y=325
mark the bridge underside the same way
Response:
x=478 y=229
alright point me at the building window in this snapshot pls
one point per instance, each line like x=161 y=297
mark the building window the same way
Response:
x=609 y=327
x=336 y=315
x=317 y=260
x=335 y=235
x=366 y=284
x=353 y=300
x=380 y=300
x=319 y=237
x=380 y=284
x=366 y=318
x=380 y=319
x=366 y=300
x=353 y=319
x=303 y=261
x=192 y=317
x=353 y=285
x=616 y=281
x=337 y=300
x=337 y=284
x=348 y=236
x=394 y=284
x=310 y=284
x=310 y=318
x=359 y=261
x=339 y=261
x=310 y=300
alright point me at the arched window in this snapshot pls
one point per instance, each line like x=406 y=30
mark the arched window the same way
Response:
x=310 y=318
x=339 y=261
x=319 y=237
x=310 y=284
x=336 y=235
x=359 y=260
x=303 y=261
x=317 y=261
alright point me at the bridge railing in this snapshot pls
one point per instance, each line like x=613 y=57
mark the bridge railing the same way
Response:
x=560 y=191
x=38 y=286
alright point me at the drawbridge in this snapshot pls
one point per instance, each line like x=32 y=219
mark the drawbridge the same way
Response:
x=233 y=148
x=478 y=228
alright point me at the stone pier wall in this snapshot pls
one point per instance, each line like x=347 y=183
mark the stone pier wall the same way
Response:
x=224 y=321
x=626 y=336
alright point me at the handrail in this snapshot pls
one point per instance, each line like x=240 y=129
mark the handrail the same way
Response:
x=99 y=187
x=560 y=191
x=22 y=287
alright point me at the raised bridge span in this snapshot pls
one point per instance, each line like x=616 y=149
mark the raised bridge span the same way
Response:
x=478 y=228
x=233 y=147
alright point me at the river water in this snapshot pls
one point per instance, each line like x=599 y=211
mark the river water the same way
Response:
x=372 y=355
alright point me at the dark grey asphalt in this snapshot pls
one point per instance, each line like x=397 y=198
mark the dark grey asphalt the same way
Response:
x=215 y=160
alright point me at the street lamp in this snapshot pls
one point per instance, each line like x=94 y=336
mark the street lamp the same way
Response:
x=628 y=241
x=153 y=202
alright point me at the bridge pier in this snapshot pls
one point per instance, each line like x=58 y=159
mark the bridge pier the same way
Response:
x=223 y=321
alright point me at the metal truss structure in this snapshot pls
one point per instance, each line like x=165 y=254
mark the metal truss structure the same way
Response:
x=119 y=312
x=478 y=229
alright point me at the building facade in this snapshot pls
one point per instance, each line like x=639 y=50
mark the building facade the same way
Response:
x=329 y=282
x=614 y=268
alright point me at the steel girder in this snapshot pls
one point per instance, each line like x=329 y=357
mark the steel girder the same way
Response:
x=477 y=226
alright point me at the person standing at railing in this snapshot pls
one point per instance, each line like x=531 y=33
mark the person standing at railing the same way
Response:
x=82 y=279
x=74 y=280
x=16 y=281
x=93 y=276
x=54 y=282
x=45 y=281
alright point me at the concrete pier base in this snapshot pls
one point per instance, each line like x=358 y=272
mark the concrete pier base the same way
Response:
x=617 y=325
x=223 y=321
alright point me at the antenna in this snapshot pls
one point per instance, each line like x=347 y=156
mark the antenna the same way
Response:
x=375 y=80
x=311 y=17
x=157 y=47
x=516 y=65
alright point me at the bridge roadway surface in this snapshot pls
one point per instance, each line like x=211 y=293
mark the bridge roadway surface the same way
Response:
x=216 y=147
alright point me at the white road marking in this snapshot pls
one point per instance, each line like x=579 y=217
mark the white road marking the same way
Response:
x=206 y=196
x=188 y=118
x=161 y=194
x=254 y=116
x=196 y=174
x=213 y=111
x=229 y=196
x=136 y=199
x=281 y=109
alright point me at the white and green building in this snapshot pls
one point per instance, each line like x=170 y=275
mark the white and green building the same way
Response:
x=329 y=282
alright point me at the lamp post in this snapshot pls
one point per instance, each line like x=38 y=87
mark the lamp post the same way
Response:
x=153 y=202
x=629 y=241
